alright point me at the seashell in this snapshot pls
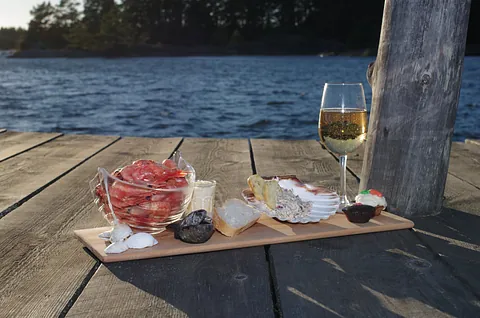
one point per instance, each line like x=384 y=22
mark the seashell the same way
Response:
x=197 y=227
x=324 y=202
x=117 y=247
x=141 y=240
x=105 y=235
x=120 y=232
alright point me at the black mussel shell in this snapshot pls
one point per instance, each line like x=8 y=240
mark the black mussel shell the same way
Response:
x=196 y=228
x=359 y=213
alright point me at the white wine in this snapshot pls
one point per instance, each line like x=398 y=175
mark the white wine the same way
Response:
x=342 y=130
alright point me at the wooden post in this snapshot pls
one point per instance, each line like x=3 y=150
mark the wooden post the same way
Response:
x=415 y=82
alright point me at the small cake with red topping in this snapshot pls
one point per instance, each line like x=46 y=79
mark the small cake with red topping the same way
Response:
x=372 y=198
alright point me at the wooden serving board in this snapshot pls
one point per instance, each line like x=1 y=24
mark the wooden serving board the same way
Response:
x=265 y=231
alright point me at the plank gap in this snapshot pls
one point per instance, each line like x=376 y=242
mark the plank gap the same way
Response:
x=34 y=193
x=277 y=308
x=272 y=277
x=462 y=278
x=463 y=179
x=33 y=147
x=80 y=289
x=252 y=157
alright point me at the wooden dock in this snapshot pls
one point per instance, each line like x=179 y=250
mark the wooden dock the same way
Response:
x=431 y=271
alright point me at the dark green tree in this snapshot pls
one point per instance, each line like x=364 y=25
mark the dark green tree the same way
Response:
x=10 y=38
x=292 y=26
x=93 y=11
x=39 y=33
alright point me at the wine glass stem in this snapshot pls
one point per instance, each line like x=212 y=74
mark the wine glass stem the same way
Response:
x=343 y=184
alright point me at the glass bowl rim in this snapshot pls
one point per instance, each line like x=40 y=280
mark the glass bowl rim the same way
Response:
x=103 y=170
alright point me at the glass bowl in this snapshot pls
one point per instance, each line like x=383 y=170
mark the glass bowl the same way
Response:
x=142 y=206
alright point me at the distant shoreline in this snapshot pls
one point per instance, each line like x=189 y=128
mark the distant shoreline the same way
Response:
x=86 y=54
x=179 y=51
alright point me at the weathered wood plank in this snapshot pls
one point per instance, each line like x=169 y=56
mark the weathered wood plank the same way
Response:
x=473 y=141
x=222 y=284
x=303 y=158
x=29 y=172
x=453 y=234
x=42 y=264
x=376 y=275
x=459 y=194
x=465 y=163
x=415 y=90
x=13 y=143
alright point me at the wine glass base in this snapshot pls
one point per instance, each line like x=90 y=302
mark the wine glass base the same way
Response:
x=342 y=205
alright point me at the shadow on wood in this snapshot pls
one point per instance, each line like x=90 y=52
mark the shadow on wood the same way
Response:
x=381 y=275
x=453 y=237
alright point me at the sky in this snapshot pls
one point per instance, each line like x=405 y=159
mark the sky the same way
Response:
x=16 y=13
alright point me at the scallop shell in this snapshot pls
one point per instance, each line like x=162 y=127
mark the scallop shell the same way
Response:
x=325 y=202
x=141 y=240
x=120 y=232
x=117 y=247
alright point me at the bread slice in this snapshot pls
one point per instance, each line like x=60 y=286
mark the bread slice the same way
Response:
x=270 y=190
x=234 y=217
x=256 y=183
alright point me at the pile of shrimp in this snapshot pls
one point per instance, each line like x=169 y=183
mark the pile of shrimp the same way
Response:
x=137 y=192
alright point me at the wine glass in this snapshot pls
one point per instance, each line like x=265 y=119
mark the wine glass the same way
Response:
x=342 y=124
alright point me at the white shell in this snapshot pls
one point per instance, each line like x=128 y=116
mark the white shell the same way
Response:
x=117 y=247
x=120 y=232
x=141 y=240
x=105 y=235
x=325 y=203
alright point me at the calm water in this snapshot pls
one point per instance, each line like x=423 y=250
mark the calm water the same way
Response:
x=262 y=97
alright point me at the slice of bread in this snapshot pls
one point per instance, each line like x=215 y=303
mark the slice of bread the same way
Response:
x=256 y=183
x=270 y=190
x=234 y=217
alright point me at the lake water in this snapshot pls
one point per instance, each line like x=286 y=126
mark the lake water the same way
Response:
x=228 y=97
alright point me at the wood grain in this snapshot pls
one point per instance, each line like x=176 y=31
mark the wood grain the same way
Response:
x=464 y=166
x=28 y=173
x=390 y=274
x=231 y=283
x=371 y=275
x=304 y=158
x=13 y=143
x=415 y=90
x=42 y=264
x=453 y=234
x=473 y=141
x=465 y=163
x=265 y=231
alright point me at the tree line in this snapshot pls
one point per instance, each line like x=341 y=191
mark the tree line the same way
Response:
x=300 y=26
x=10 y=38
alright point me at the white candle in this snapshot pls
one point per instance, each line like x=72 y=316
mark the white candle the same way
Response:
x=203 y=196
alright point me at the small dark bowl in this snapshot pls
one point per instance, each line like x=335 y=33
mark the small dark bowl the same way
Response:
x=359 y=213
